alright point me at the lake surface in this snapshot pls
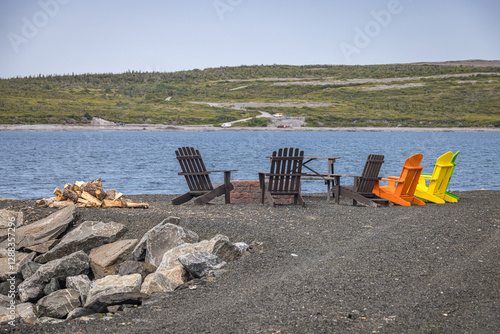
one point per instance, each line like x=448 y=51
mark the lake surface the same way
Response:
x=32 y=164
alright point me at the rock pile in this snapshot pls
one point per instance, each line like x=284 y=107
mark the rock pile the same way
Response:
x=61 y=274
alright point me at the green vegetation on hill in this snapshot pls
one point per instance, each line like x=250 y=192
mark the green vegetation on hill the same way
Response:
x=136 y=97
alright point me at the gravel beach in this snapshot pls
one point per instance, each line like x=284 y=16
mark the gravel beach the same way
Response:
x=325 y=268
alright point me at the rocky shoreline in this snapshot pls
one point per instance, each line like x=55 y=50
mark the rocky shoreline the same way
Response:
x=323 y=268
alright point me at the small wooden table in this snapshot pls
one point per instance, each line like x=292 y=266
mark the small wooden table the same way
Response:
x=314 y=175
x=328 y=177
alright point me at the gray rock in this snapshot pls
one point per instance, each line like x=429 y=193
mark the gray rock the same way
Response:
x=243 y=247
x=101 y=303
x=9 y=219
x=7 y=269
x=225 y=249
x=80 y=283
x=27 y=311
x=171 y=258
x=136 y=267
x=106 y=259
x=139 y=252
x=166 y=238
x=50 y=320
x=157 y=282
x=29 y=268
x=87 y=235
x=200 y=264
x=52 y=286
x=58 y=304
x=45 y=229
x=160 y=239
x=8 y=314
x=113 y=290
x=79 y=312
x=6 y=287
x=74 y=264
x=4 y=300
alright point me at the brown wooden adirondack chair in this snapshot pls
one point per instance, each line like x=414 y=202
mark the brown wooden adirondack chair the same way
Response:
x=401 y=189
x=284 y=176
x=198 y=179
x=362 y=190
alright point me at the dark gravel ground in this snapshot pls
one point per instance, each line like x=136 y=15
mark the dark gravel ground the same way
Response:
x=321 y=269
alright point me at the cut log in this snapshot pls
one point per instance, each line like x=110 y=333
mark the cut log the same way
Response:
x=60 y=204
x=137 y=205
x=109 y=203
x=110 y=194
x=118 y=195
x=91 y=198
x=45 y=202
x=68 y=186
x=58 y=192
x=70 y=194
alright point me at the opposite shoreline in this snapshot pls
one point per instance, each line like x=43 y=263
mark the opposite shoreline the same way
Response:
x=166 y=128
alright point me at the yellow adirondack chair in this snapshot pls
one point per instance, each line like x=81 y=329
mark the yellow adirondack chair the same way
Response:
x=435 y=190
x=401 y=189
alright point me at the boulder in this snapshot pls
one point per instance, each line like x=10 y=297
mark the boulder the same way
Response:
x=243 y=247
x=157 y=282
x=136 y=267
x=106 y=259
x=45 y=229
x=4 y=300
x=9 y=269
x=52 y=286
x=171 y=258
x=200 y=264
x=80 y=283
x=87 y=235
x=74 y=264
x=43 y=247
x=29 y=268
x=8 y=314
x=79 y=312
x=225 y=249
x=8 y=286
x=160 y=239
x=27 y=311
x=139 y=252
x=178 y=275
x=9 y=219
x=58 y=304
x=114 y=290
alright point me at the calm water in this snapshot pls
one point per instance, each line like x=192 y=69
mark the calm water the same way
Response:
x=32 y=164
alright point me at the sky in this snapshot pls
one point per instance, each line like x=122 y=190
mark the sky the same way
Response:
x=52 y=37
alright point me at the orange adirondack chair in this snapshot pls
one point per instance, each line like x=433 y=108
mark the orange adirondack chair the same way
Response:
x=401 y=189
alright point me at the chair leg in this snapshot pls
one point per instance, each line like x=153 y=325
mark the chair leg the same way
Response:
x=182 y=199
x=205 y=198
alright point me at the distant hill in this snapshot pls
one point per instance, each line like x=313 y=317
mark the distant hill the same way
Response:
x=449 y=94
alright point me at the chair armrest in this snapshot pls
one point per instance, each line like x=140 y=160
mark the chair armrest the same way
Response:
x=262 y=172
x=223 y=171
x=345 y=175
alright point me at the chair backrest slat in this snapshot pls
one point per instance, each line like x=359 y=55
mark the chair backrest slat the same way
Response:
x=370 y=173
x=410 y=175
x=191 y=162
x=286 y=167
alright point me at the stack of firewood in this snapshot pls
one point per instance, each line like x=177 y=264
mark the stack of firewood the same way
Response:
x=90 y=195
